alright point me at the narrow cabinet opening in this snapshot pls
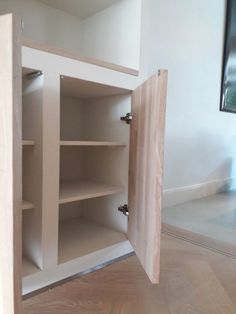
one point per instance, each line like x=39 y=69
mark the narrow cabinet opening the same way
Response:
x=32 y=85
x=94 y=159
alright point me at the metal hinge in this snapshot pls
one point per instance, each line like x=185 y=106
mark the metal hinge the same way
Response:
x=127 y=118
x=124 y=209
x=33 y=75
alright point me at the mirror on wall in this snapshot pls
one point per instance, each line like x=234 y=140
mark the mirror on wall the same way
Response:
x=228 y=98
x=106 y=30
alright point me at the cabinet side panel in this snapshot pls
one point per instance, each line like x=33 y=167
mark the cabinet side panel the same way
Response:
x=32 y=169
x=10 y=166
x=145 y=173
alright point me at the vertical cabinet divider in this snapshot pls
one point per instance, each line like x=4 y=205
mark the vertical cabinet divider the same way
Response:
x=51 y=155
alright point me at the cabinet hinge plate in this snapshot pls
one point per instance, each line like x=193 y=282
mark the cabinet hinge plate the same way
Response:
x=127 y=118
x=124 y=209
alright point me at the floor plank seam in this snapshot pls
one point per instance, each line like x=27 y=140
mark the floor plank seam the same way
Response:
x=198 y=244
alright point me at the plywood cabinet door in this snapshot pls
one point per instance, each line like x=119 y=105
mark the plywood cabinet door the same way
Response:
x=146 y=171
x=10 y=165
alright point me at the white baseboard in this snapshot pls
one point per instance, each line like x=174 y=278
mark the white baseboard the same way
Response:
x=172 y=197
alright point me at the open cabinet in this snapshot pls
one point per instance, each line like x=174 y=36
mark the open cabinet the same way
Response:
x=90 y=151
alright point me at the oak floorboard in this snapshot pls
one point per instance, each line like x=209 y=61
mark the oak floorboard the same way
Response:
x=193 y=280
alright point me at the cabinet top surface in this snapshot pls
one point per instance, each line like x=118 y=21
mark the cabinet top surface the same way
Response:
x=64 y=53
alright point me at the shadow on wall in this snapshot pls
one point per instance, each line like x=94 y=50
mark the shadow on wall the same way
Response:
x=225 y=182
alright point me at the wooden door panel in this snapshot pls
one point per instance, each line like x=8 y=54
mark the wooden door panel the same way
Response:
x=10 y=165
x=146 y=171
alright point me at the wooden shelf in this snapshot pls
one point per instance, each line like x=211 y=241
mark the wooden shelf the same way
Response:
x=26 y=205
x=80 y=190
x=79 y=237
x=28 y=267
x=92 y=143
x=27 y=143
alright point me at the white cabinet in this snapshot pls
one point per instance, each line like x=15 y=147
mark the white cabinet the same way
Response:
x=81 y=163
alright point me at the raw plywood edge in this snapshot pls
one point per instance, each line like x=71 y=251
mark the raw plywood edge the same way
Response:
x=92 y=143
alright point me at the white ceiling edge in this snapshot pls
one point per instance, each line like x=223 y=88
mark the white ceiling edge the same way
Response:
x=80 y=8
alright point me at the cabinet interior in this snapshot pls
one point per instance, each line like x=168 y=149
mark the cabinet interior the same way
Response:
x=93 y=169
x=94 y=158
x=32 y=87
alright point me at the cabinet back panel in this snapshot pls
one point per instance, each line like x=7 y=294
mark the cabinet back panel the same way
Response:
x=107 y=165
x=104 y=211
x=102 y=116
x=72 y=119
x=70 y=211
x=71 y=163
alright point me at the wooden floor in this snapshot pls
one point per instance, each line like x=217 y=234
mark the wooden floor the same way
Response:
x=193 y=281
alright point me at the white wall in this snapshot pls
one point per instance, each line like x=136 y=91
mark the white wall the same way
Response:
x=186 y=37
x=46 y=25
x=114 y=34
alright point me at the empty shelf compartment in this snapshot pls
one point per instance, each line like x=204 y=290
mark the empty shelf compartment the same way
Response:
x=80 y=236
